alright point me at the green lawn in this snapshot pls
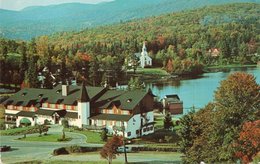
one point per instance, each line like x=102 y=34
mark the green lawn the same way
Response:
x=92 y=137
x=151 y=71
x=44 y=138
x=16 y=131
x=69 y=162
x=230 y=66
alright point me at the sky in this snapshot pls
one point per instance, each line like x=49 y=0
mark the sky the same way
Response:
x=20 y=4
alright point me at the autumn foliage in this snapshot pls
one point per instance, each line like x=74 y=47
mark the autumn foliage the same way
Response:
x=229 y=128
x=248 y=142
x=109 y=151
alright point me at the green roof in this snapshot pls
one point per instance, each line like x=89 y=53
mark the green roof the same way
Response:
x=83 y=97
x=47 y=112
x=71 y=115
x=112 y=117
x=25 y=114
x=99 y=97
x=126 y=100
x=33 y=96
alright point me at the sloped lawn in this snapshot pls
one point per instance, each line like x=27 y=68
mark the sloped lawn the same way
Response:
x=45 y=138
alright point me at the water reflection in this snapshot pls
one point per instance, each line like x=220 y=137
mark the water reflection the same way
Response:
x=196 y=91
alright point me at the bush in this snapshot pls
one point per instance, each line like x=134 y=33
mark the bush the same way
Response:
x=164 y=149
x=65 y=123
x=46 y=122
x=103 y=135
x=60 y=151
x=73 y=149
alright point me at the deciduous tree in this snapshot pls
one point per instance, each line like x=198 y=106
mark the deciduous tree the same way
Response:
x=248 y=143
x=109 y=151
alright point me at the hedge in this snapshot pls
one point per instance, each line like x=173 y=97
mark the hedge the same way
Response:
x=74 y=149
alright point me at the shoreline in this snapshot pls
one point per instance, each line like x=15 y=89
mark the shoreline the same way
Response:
x=147 y=73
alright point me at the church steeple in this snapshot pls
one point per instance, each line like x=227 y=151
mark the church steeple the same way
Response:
x=83 y=97
x=144 y=48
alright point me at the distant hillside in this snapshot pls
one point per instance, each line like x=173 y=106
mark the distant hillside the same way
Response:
x=35 y=21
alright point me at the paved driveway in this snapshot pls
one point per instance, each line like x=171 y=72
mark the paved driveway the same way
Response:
x=25 y=151
x=28 y=151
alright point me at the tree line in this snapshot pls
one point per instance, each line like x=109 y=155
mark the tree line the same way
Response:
x=181 y=43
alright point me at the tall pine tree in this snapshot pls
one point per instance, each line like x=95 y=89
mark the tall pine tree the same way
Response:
x=24 y=63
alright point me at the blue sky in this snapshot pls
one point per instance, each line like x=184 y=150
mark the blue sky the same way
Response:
x=20 y=4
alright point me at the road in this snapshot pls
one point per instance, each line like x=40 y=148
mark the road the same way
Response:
x=28 y=151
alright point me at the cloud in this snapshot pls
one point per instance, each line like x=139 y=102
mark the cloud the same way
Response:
x=20 y=4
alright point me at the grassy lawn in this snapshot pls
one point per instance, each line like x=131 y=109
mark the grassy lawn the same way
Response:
x=15 y=131
x=230 y=66
x=159 y=122
x=151 y=71
x=44 y=138
x=92 y=137
x=69 y=162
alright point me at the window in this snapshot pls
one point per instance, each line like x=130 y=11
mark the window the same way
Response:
x=137 y=131
x=128 y=134
x=144 y=129
x=151 y=128
x=79 y=116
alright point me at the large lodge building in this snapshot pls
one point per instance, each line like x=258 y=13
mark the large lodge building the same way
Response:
x=84 y=107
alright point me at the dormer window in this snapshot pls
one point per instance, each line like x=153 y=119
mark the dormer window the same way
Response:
x=23 y=94
x=58 y=91
x=129 y=100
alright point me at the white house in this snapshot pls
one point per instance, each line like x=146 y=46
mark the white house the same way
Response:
x=85 y=107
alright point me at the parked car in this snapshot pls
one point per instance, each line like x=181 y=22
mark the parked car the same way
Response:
x=4 y=148
x=121 y=149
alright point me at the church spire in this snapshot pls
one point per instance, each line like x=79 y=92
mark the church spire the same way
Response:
x=144 y=47
x=83 y=97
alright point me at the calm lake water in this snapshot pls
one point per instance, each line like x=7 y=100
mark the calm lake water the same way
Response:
x=198 y=91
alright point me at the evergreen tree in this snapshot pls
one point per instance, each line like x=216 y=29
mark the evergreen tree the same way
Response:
x=24 y=63
x=103 y=135
x=167 y=123
x=63 y=71
x=93 y=71
x=32 y=73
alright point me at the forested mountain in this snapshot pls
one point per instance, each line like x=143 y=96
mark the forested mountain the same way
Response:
x=35 y=21
x=180 y=43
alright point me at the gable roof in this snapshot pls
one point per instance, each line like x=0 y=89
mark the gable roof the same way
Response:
x=25 y=114
x=28 y=97
x=35 y=97
x=47 y=112
x=126 y=100
x=99 y=97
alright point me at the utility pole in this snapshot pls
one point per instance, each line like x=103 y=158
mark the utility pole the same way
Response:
x=123 y=129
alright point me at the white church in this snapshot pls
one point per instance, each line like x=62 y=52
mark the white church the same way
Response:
x=144 y=58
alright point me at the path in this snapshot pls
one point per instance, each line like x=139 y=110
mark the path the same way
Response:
x=28 y=151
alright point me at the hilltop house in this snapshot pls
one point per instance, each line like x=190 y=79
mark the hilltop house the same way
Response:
x=87 y=107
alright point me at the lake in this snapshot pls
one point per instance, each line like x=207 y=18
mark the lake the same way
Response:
x=196 y=92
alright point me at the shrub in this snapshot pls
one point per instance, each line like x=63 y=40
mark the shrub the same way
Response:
x=73 y=149
x=103 y=135
x=65 y=123
x=46 y=122
x=60 y=151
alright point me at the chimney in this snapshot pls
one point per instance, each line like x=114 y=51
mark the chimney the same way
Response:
x=65 y=90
